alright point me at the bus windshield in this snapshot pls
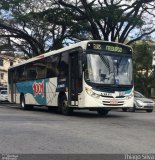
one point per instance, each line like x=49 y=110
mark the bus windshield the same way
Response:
x=109 y=69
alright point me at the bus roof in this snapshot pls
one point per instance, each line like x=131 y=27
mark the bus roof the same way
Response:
x=82 y=44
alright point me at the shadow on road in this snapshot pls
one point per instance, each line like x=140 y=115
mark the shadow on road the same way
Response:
x=76 y=113
x=90 y=114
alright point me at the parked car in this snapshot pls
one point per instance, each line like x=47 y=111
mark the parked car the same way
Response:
x=141 y=103
x=3 y=96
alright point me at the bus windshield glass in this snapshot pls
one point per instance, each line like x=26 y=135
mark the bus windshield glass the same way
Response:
x=107 y=68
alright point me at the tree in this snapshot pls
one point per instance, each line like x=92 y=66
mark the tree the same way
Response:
x=142 y=64
x=114 y=19
x=47 y=25
x=28 y=31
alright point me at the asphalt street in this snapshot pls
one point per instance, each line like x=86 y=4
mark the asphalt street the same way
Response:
x=43 y=132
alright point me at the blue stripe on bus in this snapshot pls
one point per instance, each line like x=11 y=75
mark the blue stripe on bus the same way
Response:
x=36 y=88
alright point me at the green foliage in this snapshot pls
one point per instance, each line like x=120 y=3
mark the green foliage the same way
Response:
x=41 y=26
x=142 y=62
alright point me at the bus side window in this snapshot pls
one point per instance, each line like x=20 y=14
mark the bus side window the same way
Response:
x=41 y=72
x=31 y=74
x=15 y=76
x=30 y=71
x=40 y=67
x=20 y=74
x=63 y=65
x=52 y=66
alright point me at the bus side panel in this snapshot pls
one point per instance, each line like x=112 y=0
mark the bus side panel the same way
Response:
x=51 y=94
x=34 y=92
x=38 y=92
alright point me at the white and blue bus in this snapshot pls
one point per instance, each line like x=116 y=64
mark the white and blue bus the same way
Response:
x=94 y=75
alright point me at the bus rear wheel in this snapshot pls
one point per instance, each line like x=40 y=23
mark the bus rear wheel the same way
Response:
x=102 y=112
x=134 y=108
x=23 y=104
x=65 y=110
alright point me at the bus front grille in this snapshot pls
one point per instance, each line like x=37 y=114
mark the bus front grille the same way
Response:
x=113 y=103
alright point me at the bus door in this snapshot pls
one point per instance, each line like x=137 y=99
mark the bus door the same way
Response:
x=12 y=88
x=75 y=82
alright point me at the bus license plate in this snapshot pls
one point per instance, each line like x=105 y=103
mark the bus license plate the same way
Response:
x=114 y=101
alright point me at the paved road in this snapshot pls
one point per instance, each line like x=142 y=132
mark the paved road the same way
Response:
x=40 y=131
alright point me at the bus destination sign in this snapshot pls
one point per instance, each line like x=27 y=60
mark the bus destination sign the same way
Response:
x=109 y=47
x=114 y=49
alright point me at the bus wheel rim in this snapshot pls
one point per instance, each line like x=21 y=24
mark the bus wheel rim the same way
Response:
x=64 y=105
x=23 y=104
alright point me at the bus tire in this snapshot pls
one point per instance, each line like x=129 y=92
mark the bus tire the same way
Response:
x=124 y=109
x=65 y=110
x=134 y=108
x=22 y=103
x=102 y=112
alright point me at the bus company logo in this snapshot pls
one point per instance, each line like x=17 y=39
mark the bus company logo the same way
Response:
x=38 y=88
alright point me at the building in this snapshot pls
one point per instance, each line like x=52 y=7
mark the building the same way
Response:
x=7 y=60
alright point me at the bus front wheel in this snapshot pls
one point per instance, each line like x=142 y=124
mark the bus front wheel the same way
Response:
x=124 y=109
x=65 y=110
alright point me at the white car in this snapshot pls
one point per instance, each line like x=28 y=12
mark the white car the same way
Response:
x=141 y=103
x=3 y=96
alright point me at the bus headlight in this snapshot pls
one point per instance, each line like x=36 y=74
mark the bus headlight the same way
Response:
x=129 y=96
x=91 y=93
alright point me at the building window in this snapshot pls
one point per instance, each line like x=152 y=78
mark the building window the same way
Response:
x=11 y=63
x=2 y=75
x=1 y=62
